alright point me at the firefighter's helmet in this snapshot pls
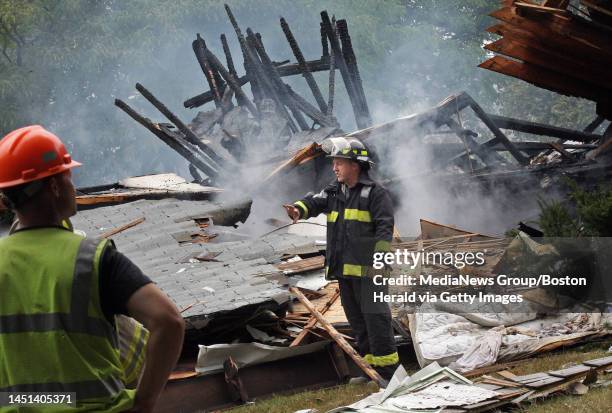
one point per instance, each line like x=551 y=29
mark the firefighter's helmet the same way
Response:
x=348 y=148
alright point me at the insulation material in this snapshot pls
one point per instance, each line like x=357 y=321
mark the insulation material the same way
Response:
x=446 y=338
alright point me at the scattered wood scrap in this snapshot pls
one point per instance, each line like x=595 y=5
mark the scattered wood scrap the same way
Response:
x=561 y=48
x=337 y=337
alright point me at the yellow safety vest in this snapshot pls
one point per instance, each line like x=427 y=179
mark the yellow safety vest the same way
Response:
x=53 y=334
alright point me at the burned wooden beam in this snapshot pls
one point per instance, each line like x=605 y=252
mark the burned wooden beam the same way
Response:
x=488 y=157
x=564 y=153
x=499 y=135
x=295 y=48
x=179 y=145
x=338 y=338
x=331 y=86
x=351 y=63
x=278 y=82
x=249 y=65
x=324 y=44
x=199 y=48
x=341 y=64
x=274 y=82
x=310 y=111
x=191 y=137
x=286 y=70
x=535 y=128
x=230 y=64
x=231 y=81
x=594 y=124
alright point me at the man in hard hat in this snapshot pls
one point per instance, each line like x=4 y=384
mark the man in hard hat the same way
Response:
x=60 y=292
x=359 y=223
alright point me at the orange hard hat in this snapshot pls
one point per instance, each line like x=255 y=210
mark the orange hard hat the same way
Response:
x=31 y=153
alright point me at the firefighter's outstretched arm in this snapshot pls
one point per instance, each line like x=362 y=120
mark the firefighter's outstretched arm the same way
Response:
x=309 y=206
x=159 y=315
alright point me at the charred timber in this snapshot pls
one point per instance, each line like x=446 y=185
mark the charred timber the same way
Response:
x=341 y=64
x=266 y=77
x=199 y=48
x=542 y=129
x=232 y=82
x=249 y=65
x=230 y=64
x=487 y=156
x=295 y=48
x=331 y=85
x=324 y=44
x=351 y=63
x=287 y=70
x=179 y=145
x=188 y=133
x=277 y=81
x=310 y=111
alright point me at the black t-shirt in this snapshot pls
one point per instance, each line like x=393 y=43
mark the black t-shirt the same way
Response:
x=119 y=278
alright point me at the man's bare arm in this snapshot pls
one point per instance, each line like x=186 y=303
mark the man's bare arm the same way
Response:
x=159 y=315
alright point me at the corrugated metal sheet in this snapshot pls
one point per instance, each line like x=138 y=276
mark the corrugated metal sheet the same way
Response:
x=239 y=279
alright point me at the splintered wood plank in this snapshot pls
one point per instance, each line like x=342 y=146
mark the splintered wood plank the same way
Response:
x=570 y=371
x=546 y=9
x=510 y=393
x=507 y=375
x=337 y=337
x=566 y=28
x=601 y=362
x=553 y=42
x=122 y=228
x=552 y=60
x=531 y=377
x=544 y=78
x=313 y=320
x=307 y=264
x=488 y=386
x=544 y=382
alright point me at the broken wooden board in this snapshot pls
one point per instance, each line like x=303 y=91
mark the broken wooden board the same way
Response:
x=301 y=266
x=145 y=187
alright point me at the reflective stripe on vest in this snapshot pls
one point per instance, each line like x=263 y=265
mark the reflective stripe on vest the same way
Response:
x=78 y=320
x=354 y=270
x=133 y=337
x=54 y=321
x=332 y=216
x=357 y=215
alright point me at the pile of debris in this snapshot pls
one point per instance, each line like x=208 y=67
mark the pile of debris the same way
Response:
x=436 y=388
x=273 y=119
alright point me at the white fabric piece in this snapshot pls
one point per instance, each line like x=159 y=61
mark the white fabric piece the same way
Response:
x=483 y=352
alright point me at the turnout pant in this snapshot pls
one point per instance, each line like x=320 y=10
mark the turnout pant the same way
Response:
x=371 y=323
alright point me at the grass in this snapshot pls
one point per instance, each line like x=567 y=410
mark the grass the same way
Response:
x=596 y=400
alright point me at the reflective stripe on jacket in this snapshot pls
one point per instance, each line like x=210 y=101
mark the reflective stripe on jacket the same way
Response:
x=359 y=222
x=53 y=334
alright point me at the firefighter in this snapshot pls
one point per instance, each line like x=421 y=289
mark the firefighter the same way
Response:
x=61 y=291
x=359 y=222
